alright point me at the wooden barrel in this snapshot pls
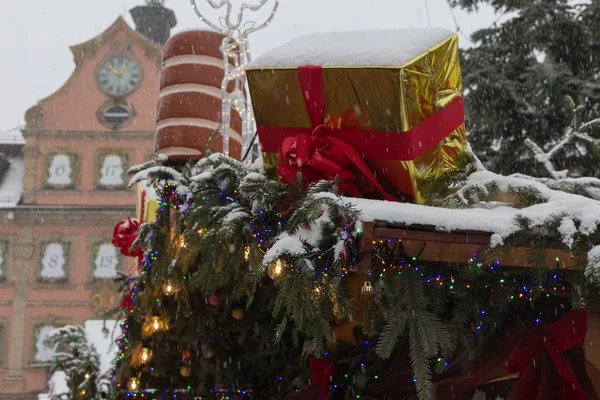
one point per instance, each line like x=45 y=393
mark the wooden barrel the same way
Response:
x=189 y=104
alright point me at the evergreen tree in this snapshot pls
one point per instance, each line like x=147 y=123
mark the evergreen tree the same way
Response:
x=517 y=75
x=78 y=359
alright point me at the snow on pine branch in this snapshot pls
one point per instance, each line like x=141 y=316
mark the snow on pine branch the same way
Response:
x=578 y=132
x=147 y=173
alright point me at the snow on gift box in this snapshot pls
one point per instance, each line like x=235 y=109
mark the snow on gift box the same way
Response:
x=380 y=109
x=189 y=105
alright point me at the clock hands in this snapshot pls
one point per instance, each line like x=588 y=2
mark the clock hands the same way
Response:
x=123 y=68
x=117 y=72
x=113 y=69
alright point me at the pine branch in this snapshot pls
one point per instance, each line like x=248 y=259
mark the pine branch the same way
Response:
x=392 y=332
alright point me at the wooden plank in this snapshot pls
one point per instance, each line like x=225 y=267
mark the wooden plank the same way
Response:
x=441 y=237
x=462 y=252
x=458 y=246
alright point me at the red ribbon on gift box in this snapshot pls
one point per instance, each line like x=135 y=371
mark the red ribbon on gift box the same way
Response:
x=324 y=150
x=564 y=334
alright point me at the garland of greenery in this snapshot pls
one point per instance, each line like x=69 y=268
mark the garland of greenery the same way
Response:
x=233 y=225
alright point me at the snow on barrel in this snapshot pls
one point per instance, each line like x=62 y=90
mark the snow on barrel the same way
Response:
x=189 y=105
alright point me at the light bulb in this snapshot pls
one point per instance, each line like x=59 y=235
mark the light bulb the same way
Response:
x=133 y=384
x=155 y=323
x=87 y=375
x=276 y=269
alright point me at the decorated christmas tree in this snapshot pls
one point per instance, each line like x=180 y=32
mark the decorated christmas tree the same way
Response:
x=367 y=255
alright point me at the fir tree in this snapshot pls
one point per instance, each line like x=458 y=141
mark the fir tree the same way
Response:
x=78 y=359
x=517 y=75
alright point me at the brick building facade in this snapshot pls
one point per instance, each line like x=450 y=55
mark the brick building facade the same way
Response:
x=63 y=188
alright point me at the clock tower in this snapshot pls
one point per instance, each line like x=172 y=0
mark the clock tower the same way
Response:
x=81 y=140
x=57 y=262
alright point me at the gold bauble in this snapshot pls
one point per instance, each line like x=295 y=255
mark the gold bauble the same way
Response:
x=238 y=313
x=367 y=289
x=185 y=371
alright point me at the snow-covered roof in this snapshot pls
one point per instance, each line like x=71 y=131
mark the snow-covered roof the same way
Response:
x=11 y=186
x=393 y=47
x=12 y=136
x=497 y=218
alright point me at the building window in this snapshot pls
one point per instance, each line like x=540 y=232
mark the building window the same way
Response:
x=41 y=352
x=2 y=341
x=54 y=262
x=106 y=261
x=61 y=170
x=111 y=174
x=3 y=259
x=115 y=115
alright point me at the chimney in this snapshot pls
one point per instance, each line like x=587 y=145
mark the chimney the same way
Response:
x=154 y=20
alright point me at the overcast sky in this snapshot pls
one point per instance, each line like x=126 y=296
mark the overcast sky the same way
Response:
x=35 y=35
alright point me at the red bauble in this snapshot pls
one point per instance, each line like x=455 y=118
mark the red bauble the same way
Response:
x=187 y=354
x=215 y=299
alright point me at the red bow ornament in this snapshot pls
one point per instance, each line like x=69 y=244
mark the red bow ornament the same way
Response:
x=124 y=235
x=534 y=382
x=127 y=302
x=322 y=372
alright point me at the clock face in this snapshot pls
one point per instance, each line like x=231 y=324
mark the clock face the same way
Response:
x=119 y=76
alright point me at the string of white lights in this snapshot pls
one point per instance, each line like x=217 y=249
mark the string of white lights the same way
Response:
x=236 y=56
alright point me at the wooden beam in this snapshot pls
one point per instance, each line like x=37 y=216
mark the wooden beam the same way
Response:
x=454 y=247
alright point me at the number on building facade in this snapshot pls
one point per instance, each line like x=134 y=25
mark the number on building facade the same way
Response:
x=60 y=170
x=53 y=262
x=106 y=261
x=112 y=170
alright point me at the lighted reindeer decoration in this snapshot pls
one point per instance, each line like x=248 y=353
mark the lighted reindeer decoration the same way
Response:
x=236 y=50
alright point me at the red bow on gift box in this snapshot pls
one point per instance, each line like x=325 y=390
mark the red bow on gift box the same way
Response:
x=319 y=157
x=124 y=235
x=568 y=332
x=322 y=372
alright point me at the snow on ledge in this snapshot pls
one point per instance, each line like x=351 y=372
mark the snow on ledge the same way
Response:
x=500 y=221
x=392 y=47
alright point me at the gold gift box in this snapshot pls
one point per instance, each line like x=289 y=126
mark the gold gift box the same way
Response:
x=384 y=80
